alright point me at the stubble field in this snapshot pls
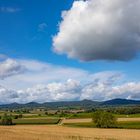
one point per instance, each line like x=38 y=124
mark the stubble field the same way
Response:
x=55 y=132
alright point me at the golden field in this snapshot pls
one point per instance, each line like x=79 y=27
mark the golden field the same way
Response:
x=55 y=132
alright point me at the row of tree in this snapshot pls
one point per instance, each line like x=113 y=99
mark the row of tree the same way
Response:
x=118 y=110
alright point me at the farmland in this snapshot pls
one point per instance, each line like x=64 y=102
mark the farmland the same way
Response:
x=53 y=132
x=39 y=128
x=35 y=123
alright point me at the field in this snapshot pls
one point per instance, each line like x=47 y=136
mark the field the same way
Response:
x=122 y=124
x=89 y=115
x=71 y=127
x=36 y=121
x=55 y=132
x=127 y=123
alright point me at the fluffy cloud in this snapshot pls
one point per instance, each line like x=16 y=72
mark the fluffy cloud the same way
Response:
x=10 y=67
x=57 y=91
x=130 y=90
x=100 y=30
x=71 y=90
x=37 y=73
x=102 y=91
x=30 y=80
x=7 y=95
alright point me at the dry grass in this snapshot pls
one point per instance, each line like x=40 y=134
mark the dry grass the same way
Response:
x=128 y=119
x=38 y=132
x=76 y=120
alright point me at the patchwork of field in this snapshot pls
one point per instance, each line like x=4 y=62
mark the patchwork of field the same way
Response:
x=54 y=132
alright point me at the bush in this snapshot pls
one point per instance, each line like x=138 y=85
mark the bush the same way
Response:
x=6 y=120
x=46 y=113
x=15 y=116
x=104 y=119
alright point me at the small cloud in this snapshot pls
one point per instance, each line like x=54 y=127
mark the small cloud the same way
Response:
x=42 y=27
x=9 y=9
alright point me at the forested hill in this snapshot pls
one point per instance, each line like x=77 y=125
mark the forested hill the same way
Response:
x=73 y=104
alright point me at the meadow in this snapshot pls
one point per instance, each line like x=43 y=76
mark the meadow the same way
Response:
x=34 y=121
x=121 y=124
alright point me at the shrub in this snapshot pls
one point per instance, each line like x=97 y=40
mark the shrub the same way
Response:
x=15 y=116
x=6 y=120
x=104 y=119
x=46 y=113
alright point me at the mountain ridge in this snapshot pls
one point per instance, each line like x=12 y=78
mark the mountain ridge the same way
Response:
x=83 y=103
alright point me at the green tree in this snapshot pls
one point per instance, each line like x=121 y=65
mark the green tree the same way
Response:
x=6 y=120
x=104 y=119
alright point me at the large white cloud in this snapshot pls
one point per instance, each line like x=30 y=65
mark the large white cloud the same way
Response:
x=100 y=30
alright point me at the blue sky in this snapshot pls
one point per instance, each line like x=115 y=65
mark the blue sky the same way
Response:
x=28 y=28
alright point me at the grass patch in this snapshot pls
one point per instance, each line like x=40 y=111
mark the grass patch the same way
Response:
x=124 y=125
x=39 y=121
x=129 y=124
x=127 y=116
x=81 y=115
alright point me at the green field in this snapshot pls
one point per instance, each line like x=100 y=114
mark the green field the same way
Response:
x=89 y=115
x=36 y=121
x=124 y=125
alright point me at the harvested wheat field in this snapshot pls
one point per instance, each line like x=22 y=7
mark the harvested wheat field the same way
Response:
x=54 y=132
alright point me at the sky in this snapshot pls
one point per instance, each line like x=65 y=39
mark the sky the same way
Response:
x=65 y=50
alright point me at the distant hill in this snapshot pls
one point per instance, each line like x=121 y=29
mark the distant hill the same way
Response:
x=121 y=102
x=86 y=104
x=54 y=105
